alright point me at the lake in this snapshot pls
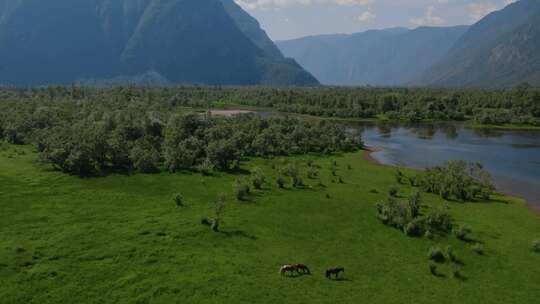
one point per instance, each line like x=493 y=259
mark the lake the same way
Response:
x=512 y=157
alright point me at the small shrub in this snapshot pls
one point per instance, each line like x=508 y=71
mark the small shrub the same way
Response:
x=327 y=196
x=241 y=190
x=340 y=180
x=399 y=176
x=333 y=168
x=349 y=167
x=414 y=204
x=179 y=200
x=536 y=246
x=297 y=181
x=280 y=181
x=205 y=221
x=456 y=272
x=293 y=172
x=206 y=168
x=393 y=191
x=462 y=231
x=478 y=248
x=436 y=254
x=374 y=191
x=415 y=181
x=451 y=254
x=312 y=173
x=215 y=225
x=257 y=179
x=219 y=207
x=439 y=220
x=413 y=228
x=433 y=268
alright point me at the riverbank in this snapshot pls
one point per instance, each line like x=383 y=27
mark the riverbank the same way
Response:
x=368 y=156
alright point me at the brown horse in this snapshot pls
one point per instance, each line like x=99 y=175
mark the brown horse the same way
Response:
x=302 y=269
x=287 y=269
x=334 y=271
x=298 y=269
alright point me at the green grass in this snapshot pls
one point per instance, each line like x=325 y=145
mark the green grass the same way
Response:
x=121 y=239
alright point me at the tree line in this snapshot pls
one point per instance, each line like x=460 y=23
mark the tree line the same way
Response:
x=103 y=132
x=519 y=105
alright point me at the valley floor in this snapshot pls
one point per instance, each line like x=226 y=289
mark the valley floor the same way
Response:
x=122 y=239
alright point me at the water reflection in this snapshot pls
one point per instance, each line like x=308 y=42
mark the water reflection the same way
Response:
x=513 y=157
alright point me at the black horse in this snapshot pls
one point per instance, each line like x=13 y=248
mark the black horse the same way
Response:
x=335 y=272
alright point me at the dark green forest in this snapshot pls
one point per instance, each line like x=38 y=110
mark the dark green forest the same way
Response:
x=88 y=131
x=516 y=106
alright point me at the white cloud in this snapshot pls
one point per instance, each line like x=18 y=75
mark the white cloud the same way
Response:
x=366 y=17
x=428 y=19
x=478 y=11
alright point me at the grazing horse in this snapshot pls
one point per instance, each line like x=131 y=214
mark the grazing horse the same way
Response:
x=287 y=269
x=334 y=271
x=301 y=268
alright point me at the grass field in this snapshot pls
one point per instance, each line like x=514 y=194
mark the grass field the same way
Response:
x=122 y=239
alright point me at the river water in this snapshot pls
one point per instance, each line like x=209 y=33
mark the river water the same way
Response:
x=512 y=157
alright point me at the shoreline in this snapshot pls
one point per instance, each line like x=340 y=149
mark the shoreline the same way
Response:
x=469 y=123
x=367 y=156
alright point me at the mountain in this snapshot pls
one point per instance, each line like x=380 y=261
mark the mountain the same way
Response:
x=387 y=57
x=251 y=28
x=501 y=50
x=165 y=41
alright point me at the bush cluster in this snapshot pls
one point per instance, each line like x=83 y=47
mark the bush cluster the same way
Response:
x=462 y=231
x=407 y=217
x=459 y=180
x=257 y=178
x=435 y=253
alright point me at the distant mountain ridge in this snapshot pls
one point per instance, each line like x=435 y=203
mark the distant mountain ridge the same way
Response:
x=501 y=50
x=168 y=41
x=389 y=57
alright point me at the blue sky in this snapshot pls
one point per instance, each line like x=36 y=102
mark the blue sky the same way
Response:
x=286 y=19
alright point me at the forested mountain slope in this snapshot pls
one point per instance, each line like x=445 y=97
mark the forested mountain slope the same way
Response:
x=501 y=50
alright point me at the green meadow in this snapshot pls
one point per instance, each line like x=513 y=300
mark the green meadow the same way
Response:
x=123 y=239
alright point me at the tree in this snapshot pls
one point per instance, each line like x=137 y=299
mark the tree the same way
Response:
x=222 y=153
x=218 y=207
x=257 y=178
x=144 y=157
x=414 y=204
